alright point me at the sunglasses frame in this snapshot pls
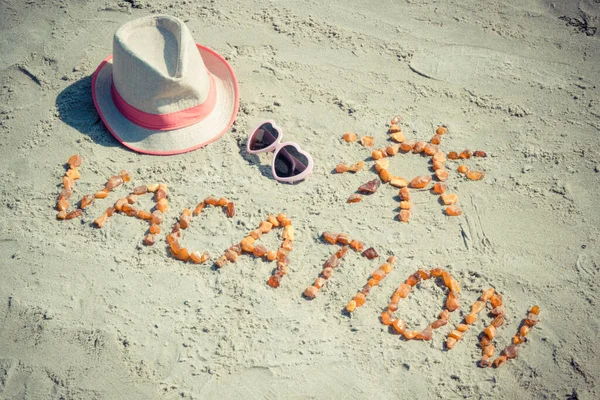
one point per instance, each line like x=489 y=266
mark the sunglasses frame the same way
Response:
x=277 y=146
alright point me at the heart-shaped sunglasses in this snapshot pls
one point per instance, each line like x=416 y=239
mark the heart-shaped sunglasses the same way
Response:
x=290 y=162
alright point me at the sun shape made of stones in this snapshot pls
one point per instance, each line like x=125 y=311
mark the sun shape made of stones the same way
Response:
x=401 y=145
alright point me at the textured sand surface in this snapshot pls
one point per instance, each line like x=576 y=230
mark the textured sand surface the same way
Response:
x=91 y=313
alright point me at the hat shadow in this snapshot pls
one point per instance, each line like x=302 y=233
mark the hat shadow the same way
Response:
x=76 y=108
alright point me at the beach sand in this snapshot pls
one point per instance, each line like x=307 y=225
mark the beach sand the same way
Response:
x=91 y=313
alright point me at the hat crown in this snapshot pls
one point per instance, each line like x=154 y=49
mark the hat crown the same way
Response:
x=157 y=67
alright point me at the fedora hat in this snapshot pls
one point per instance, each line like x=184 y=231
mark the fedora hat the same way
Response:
x=160 y=92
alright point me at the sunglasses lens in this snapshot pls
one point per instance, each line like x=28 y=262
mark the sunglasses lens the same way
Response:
x=264 y=136
x=290 y=162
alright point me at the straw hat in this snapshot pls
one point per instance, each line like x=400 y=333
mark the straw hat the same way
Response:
x=160 y=93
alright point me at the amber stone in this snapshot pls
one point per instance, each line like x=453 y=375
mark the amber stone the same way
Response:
x=231 y=255
x=450 y=343
x=413 y=279
x=420 y=181
x=409 y=335
x=101 y=220
x=425 y=334
x=511 y=351
x=149 y=240
x=351 y=306
x=498 y=362
x=477 y=307
x=162 y=205
x=102 y=194
x=357 y=245
x=394 y=128
x=452 y=302
x=230 y=209
x=379 y=274
x=154 y=229
x=160 y=194
x=377 y=154
x=470 y=318
x=475 y=175
x=535 y=310
x=387 y=268
x=407 y=145
x=343 y=238
x=132 y=198
x=441 y=130
x=430 y=149
x=419 y=147
x=532 y=319
x=439 y=188
x=355 y=198
x=74 y=214
x=399 y=325
x=398 y=181
x=453 y=211
x=403 y=290
x=61 y=215
x=490 y=331
x=125 y=175
x=211 y=201
x=479 y=153
x=350 y=137
x=392 y=150
x=65 y=194
x=463 y=169
x=370 y=187
x=449 y=198
x=271 y=255
x=385 y=175
x=62 y=205
x=498 y=321
x=484 y=362
x=319 y=282
x=398 y=137
x=395 y=120
x=462 y=327
x=386 y=318
x=73 y=174
x=436 y=139
x=283 y=219
x=341 y=168
x=311 y=292
x=330 y=237
x=496 y=300
x=404 y=194
x=367 y=141
x=465 y=154
x=198 y=208
x=341 y=252
x=157 y=217
x=356 y=166
x=405 y=205
x=404 y=215
x=455 y=334
x=441 y=174
x=370 y=253
x=113 y=182
x=439 y=323
x=74 y=161
x=453 y=155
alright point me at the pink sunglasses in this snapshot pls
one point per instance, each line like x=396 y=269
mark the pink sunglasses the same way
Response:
x=290 y=162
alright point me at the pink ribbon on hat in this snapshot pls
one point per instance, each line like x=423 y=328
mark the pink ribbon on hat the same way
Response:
x=166 y=122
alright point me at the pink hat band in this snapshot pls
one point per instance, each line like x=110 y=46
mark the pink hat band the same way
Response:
x=165 y=122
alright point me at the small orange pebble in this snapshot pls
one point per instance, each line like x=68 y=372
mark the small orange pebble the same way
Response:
x=419 y=147
x=524 y=330
x=311 y=292
x=198 y=258
x=379 y=274
x=383 y=163
x=258 y=250
x=128 y=209
x=453 y=155
x=413 y=279
x=357 y=245
x=436 y=139
x=486 y=295
x=394 y=128
x=62 y=205
x=454 y=287
x=450 y=343
x=102 y=194
x=398 y=137
x=153 y=187
x=265 y=226
x=430 y=149
x=463 y=169
x=350 y=137
x=355 y=198
x=288 y=232
x=125 y=175
x=444 y=314
x=475 y=175
x=407 y=145
x=498 y=321
x=157 y=217
x=222 y=202
x=490 y=331
x=404 y=194
x=86 y=201
x=74 y=161
x=230 y=207
x=370 y=253
x=453 y=210
x=441 y=130
x=132 y=198
x=248 y=240
x=385 y=175
x=150 y=239
x=211 y=201
x=68 y=183
x=154 y=229
x=61 y=215
x=221 y=262
x=330 y=237
x=273 y=220
x=357 y=166
x=377 y=154
x=420 y=182
x=101 y=220
x=465 y=154
x=283 y=219
x=403 y=290
x=455 y=334
x=405 y=205
x=484 y=362
x=256 y=233
x=231 y=255
x=351 y=306
x=462 y=327
x=535 y=310
x=439 y=156
x=409 y=335
x=435 y=165
x=395 y=120
x=271 y=255
x=498 y=362
x=479 y=153
x=404 y=215
x=74 y=214
x=367 y=141
x=342 y=238
x=510 y=351
x=399 y=326
x=477 y=307
x=198 y=208
x=341 y=168
x=360 y=299
x=387 y=268
x=73 y=173
x=162 y=205
x=398 y=181
x=274 y=280
x=470 y=318
x=496 y=300
x=489 y=350
x=373 y=282
x=517 y=339
x=452 y=302
x=439 y=188
x=160 y=194
x=320 y=282
x=441 y=174
x=392 y=150
x=113 y=182
x=386 y=318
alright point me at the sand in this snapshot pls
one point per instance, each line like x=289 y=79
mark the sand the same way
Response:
x=91 y=313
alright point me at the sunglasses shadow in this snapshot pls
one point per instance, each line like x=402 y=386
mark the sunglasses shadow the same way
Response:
x=253 y=159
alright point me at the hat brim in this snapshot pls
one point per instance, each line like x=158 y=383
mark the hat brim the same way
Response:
x=148 y=141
